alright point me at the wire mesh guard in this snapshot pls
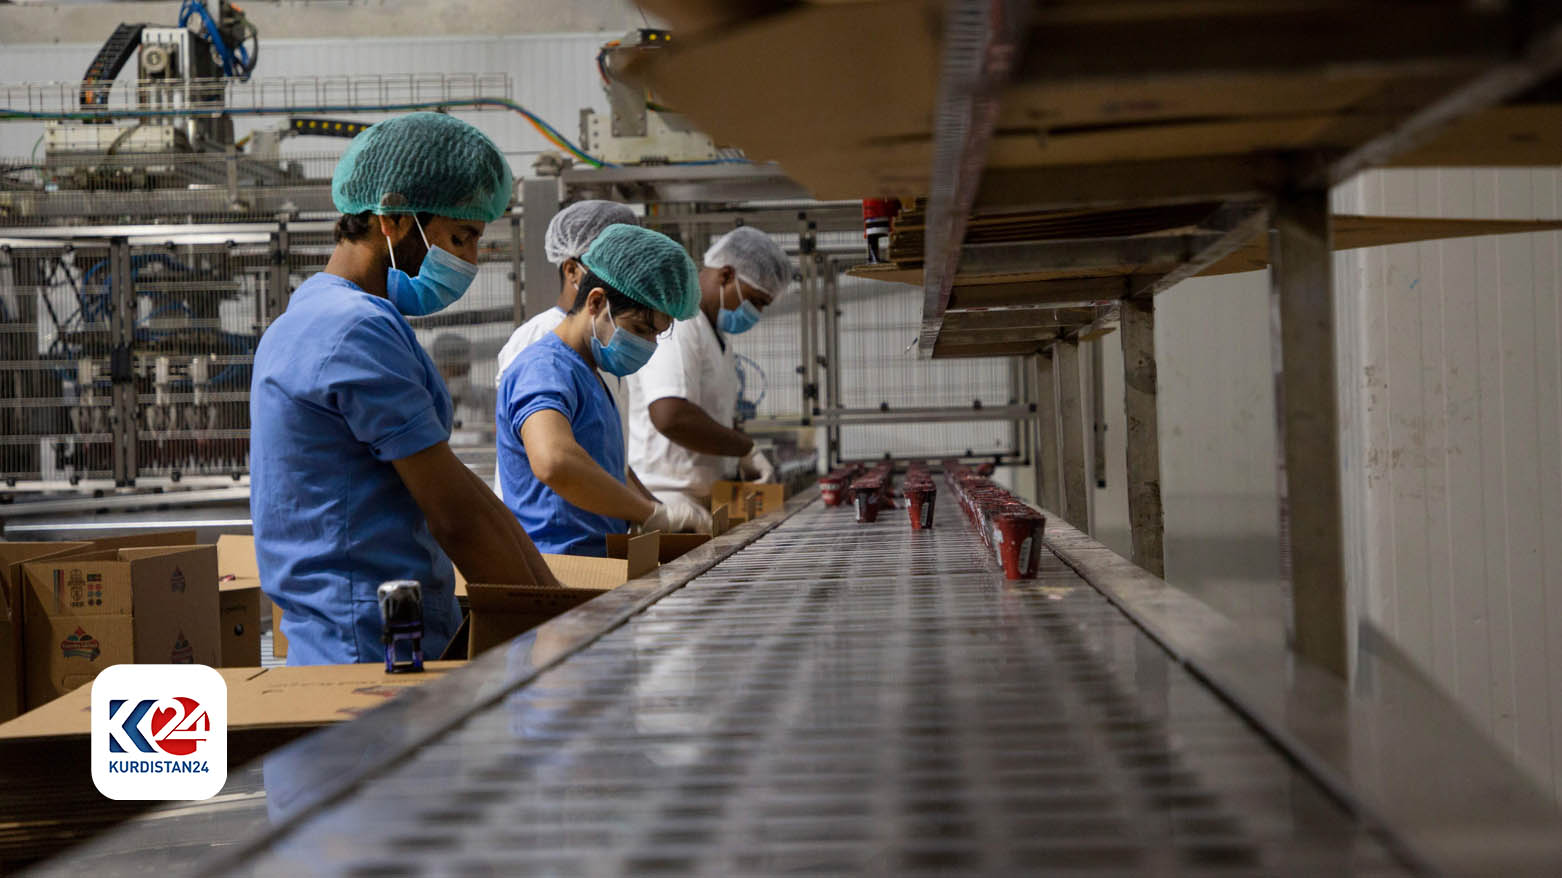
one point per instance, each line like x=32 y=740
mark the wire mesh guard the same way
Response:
x=844 y=699
x=197 y=315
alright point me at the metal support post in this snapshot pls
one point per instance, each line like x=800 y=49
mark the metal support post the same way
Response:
x=1143 y=435
x=278 y=280
x=122 y=323
x=517 y=259
x=539 y=203
x=809 y=266
x=1302 y=309
x=1098 y=415
x=1071 y=415
x=1046 y=426
x=832 y=357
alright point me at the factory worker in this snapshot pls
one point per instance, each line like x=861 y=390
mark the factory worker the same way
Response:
x=473 y=402
x=569 y=233
x=352 y=480
x=561 y=452
x=682 y=404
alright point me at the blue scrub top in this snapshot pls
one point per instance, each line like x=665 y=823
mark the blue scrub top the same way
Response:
x=341 y=388
x=548 y=374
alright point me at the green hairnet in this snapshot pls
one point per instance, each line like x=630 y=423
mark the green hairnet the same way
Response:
x=423 y=163
x=648 y=267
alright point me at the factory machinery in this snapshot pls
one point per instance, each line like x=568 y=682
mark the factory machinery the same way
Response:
x=808 y=694
x=145 y=246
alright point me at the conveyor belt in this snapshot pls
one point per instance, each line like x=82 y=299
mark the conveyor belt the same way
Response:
x=833 y=699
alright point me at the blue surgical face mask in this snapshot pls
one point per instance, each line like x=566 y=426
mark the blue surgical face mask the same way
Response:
x=624 y=353
x=741 y=319
x=443 y=278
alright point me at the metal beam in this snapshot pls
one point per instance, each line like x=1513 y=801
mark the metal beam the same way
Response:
x=941 y=415
x=1046 y=428
x=1232 y=225
x=539 y=203
x=517 y=280
x=987 y=349
x=1143 y=435
x=1139 y=253
x=1062 y=292
x=981 y=47
x=1302 y=298
x=122 y=322
x=1071 y=416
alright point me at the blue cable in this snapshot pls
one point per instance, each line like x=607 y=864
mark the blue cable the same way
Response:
x=191 y=7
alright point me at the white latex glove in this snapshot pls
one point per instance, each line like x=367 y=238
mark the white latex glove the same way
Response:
x=756 y=465
x=682 y=518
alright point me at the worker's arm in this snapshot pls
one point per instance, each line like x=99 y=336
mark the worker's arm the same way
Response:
x=688 y=425
x=474 y=528
x=634 y=482
x=559 y=461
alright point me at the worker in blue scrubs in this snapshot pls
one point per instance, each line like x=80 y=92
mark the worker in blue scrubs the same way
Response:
x=561 y=448
x=352 y=480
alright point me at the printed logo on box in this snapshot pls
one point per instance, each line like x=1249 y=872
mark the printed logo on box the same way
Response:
x=80 y=644
x=176 y=581
x=159 y=732
x=182 y=653
x=82 y=591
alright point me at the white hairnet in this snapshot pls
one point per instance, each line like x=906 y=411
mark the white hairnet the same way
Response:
x=572 y=229
x=758 y=260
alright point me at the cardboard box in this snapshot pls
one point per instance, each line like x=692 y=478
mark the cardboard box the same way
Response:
x=13 y=699
x=84 y=611
x=747 y=500
x=236 y=557
x=671 y=547
x=258 y=698
x=500 y=612
x=239 y=622
x=238 y=577
x=278 y=639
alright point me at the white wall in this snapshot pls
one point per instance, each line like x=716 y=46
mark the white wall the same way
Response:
x=1457 y=399
x=1450 y=365
x=1217 y=429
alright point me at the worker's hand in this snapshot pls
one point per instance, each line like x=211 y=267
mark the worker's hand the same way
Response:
x=757 y=467
x=681 y=518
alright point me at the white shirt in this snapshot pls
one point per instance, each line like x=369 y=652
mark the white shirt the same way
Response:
x=525 y=334
x=692 y=365
x=531 y=331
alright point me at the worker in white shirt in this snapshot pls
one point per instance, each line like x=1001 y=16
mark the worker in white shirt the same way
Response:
x=569 y=235
x=682 y=404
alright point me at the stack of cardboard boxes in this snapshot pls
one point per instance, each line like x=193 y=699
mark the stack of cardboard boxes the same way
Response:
x=72 y=609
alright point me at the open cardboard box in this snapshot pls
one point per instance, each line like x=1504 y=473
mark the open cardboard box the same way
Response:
x=671 y=547
x=746 y=501
x=85 y=610
x=500 y=612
